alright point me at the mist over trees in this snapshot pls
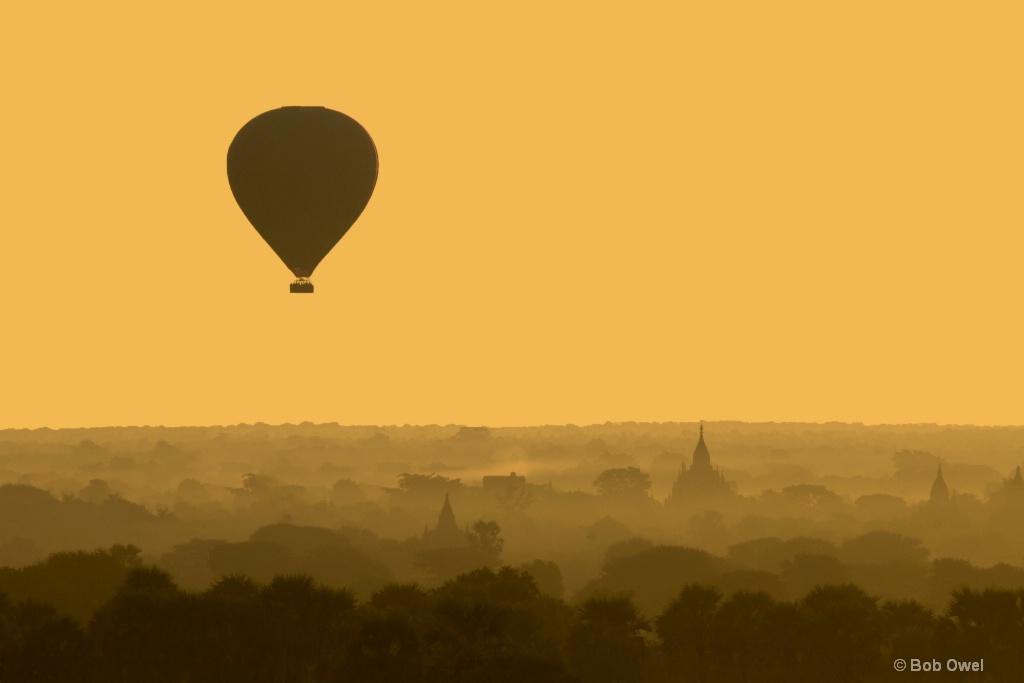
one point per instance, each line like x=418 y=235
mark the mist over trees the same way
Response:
x=644 y=549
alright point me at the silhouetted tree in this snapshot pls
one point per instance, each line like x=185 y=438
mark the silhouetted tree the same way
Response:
x=881 y=506
x=843 y=635
x=804 y=498
x=750 y=581
x=143 y=632
x=386 y=648
x=623 y=481
x=486 y=537
x=426 y=486
x=407 y=598
x=915 y=468
x=38 y=644
x=75 y=583
x=804 y=572
x=948 y=574
x=472 y=434
x=740 y=634
x=908 y=628
x=547 y=575
x=189 y=563
x=629 y=547
x=784 y=643
x=262 y=560
x=990 y=623
x=391 y=641
x=765 y=554
x=685 y=627
x=488 y=623
x=654 y=576
x=883 y=547
x=887 y=563
x=306 y=627
x=227 y=621
x=607 y=644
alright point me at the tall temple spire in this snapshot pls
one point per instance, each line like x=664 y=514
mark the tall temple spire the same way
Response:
x=1014 y=488
x=446 y=520
x=1011 y=494
x=940 y=492
x=701 y=456
x=446 y=534
x=701 y=483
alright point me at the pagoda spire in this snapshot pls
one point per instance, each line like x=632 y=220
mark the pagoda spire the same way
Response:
x=446 y=520
x=940 y=492
x=701 y=456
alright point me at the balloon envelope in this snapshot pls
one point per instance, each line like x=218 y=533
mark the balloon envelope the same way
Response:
x=302 y=176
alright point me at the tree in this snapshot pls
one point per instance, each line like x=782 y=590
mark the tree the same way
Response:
x=620 y=550
x=843 y=637
x=75 y=583
x=908 y=626
x=883 y=547
x=305 y=627
x=547 y=575
x=472 y=434
x=386 y=648
x=407 y=598
x=765 y=554
x=653 y=577
x=144 y=631
x=624 y=482
x=887 y=564
x=425 y=487
x=486 y=537
x=347 y=491
x=915 y=468
x=607 y=643
x=37 y=644
x=685 y=626
x=739 y=634
x=804 y=498
x=96 y=491
x=496 y=626
x=805 y=571
x=990 y=623
x=784 y=636
x=228 y=619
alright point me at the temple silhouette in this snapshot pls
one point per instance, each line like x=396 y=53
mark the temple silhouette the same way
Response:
x=940 y=492
x=701 y=483
x=446 y=533
x=1008 y=499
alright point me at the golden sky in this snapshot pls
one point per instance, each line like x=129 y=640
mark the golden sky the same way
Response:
x=586 y=211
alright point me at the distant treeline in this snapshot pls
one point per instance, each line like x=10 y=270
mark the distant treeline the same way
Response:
x=486 y=625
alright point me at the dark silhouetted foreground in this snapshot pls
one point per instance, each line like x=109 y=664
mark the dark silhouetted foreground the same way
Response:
x=492 y=626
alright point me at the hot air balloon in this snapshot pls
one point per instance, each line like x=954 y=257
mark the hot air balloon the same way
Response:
x=302 y=176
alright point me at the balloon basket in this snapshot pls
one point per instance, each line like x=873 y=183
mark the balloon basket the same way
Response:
x=301 y=286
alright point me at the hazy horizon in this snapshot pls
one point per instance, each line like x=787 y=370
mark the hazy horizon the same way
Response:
x=724 y=421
